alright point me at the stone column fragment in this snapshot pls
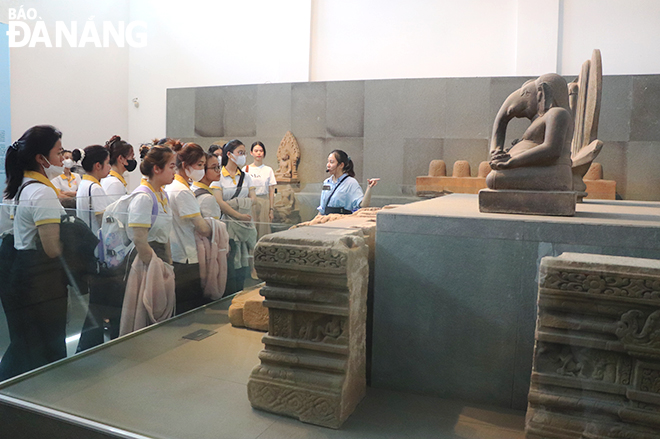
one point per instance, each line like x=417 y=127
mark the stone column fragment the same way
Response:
x=596 y=370
x=313 y=364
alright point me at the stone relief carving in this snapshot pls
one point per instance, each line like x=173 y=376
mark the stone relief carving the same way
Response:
x=596 y=369
x=313 y=363
x=613 y=285
x=288 y=157
x=314 y=257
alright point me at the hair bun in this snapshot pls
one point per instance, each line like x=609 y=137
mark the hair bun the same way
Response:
x=112 y=140
x=76 y=155
x=144 y=149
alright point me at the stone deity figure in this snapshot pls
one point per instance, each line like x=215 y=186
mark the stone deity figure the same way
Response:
x=541 y=159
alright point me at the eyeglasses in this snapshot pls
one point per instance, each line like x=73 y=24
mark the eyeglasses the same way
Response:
x=216 y=168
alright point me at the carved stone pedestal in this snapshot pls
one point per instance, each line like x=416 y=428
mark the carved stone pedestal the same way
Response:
x=528 y=202
x=313 y=364
x=596 y=371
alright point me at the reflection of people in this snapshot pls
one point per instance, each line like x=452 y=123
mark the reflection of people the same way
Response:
x=341 y=192
x=91 y=199
x=541 y=160
x=35 y=303
x=187 y=220
x=68 y=182
x=122 y=159
x=235 y=194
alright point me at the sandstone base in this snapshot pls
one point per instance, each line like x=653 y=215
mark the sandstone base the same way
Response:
x=247 y=310
x=527 y=202
x=601 y=189
x=313 y=364
x=596 y=371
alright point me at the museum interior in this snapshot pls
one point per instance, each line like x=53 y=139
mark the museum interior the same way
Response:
x=264 y=219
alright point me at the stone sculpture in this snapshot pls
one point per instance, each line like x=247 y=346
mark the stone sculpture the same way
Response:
x=288 y=158
x=247 y=310
x=313 y=364
x=585 y=96
x=535 y=173
x=596 y=369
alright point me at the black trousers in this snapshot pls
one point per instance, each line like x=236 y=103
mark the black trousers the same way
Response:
x=188 y=288
x=35 y=304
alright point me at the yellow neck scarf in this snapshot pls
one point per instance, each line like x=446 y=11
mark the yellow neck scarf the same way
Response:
x=41 y=179
x=119 y=177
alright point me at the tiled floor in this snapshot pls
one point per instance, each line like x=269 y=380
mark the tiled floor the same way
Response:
x=162 y=386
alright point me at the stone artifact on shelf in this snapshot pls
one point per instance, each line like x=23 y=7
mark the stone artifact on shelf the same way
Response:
x=534 y=176
x=596 y=368
x=313 y=363
x=247 y=311
x=597 y=188
x=288 y=158
x=585 y=95
x=285 y=208
x=437 y=183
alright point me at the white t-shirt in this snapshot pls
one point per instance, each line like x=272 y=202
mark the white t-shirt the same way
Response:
x=207 y=203
x=114 y=188
x=228 y=185
x=262 y=177
x=38 y=205
x=98 y=204
x=184 y=209
x=65 y=185
x=139 y=215
x=6 y=217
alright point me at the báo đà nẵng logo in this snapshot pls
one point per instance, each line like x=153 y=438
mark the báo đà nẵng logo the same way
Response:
x=26 y=29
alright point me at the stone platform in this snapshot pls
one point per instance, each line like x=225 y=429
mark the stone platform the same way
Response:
x=553 y=203
x=455 y=290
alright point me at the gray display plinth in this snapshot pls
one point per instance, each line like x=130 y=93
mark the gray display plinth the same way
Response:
x=455 y=290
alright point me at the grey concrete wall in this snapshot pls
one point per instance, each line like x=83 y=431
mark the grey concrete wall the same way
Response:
x=393 y=128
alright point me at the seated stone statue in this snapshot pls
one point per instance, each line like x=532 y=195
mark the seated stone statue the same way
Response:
x=541 y=160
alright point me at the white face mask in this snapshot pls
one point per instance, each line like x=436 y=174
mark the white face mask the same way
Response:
x=68 y=163
x=195 y=174
x=53 y=171
x=240 y=160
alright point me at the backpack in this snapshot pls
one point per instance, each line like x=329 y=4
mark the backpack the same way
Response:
x=114 y=243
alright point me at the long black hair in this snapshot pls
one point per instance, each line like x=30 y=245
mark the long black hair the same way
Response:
x=230 y=147
x=21 y=155
x=342 y=157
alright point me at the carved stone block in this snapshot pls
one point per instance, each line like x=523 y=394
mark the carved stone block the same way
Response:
x=596 y=370
x=313 y=364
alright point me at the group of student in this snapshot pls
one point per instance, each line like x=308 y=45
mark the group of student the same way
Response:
x=183 y=190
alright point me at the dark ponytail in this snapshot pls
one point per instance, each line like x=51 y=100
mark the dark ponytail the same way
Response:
x=342 y=157
x=21 y=154
x=230 y=147
x=93 y=154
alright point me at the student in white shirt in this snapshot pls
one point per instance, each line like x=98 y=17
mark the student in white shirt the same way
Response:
x=35 y=300
x=264 y=182
x=235 y=194
x=91 y=199
x=187 y=220
x=152 y=238
x=67 y=182
x=207 y=203
x=122 y=160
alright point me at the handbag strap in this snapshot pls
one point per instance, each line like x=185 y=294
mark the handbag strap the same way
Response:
x=239 y=185
x=333 y=192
